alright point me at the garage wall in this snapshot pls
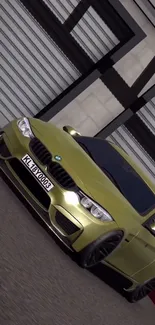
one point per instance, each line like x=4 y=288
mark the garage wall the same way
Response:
x=147 y=115
x=34 y=69
x=91 y=32
x=148 y=8
x=93 y=109
x=134 y=62
x=93 y=35
x=150 y=83
x=62 y=9
x=97 y=105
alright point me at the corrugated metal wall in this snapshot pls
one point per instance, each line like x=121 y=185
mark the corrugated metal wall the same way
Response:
x=62 y=9
x=147 y=114
x=91 y=33
x=148 y=9
x=126 y=141
x=94 y=36
x=34 y=69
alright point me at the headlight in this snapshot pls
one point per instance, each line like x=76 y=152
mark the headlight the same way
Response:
x=71 y=198
x=95 y=210
x=86 y=202
x=25 y=128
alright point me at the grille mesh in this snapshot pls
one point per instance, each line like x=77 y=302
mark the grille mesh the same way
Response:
x=40 y=151
x=61 y=176
x=55 y=170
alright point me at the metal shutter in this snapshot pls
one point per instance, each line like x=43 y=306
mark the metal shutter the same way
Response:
x=148 y=9
x=94 y=36
x=34 y=69
x=91 y=32
x=147 y=114
x=124 y=139
x=62 y=9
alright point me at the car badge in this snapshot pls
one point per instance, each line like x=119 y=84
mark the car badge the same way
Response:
x=57 y=157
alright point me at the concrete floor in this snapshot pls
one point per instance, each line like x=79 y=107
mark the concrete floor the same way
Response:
x=41 y=285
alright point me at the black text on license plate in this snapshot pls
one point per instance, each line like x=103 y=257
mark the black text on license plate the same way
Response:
x=45 y=182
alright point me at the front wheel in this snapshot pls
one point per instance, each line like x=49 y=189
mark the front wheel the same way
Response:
x=100 y=249
x=140 y=291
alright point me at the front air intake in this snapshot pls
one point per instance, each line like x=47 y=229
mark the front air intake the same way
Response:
x=65 y=224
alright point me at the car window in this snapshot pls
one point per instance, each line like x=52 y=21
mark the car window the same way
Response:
x=120 y=172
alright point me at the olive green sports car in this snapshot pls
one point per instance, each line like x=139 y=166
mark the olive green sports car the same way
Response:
x=90 y=194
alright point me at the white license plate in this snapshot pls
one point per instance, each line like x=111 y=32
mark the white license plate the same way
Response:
x=43 y=180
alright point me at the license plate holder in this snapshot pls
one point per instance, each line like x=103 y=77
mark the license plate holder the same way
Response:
x=37 y=173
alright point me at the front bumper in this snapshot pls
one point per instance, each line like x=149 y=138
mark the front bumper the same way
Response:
x=72 y=224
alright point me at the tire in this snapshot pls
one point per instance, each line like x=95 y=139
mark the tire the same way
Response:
x=101 y=248
x=140 y=291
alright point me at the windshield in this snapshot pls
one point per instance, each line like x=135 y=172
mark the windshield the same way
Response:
x=120 y=172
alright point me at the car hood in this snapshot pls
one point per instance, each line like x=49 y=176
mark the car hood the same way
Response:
x=86 y=174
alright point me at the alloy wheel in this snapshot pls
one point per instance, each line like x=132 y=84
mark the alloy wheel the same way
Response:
x=102 y=250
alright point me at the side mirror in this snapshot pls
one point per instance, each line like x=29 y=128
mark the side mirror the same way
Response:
x=70 y=130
